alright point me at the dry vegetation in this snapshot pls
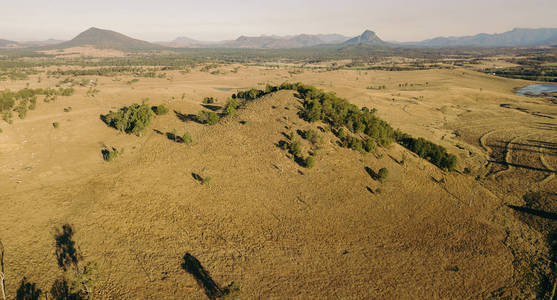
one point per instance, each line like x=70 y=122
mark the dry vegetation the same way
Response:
x=245 y=198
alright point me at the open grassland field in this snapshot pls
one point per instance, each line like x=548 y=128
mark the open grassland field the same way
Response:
x=275 y=228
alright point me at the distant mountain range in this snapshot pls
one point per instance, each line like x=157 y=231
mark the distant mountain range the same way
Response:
x=9 y=44
x=107 y=39
x=518 y=37
x=15 y=45
x=262 y=42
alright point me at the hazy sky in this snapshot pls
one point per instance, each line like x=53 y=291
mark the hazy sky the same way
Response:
x=160 y=20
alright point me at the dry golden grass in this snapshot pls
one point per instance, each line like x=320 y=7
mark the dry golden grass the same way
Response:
x=275 y=228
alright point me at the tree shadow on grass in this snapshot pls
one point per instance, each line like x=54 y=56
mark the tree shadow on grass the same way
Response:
x=300 y=161
x=211 y=107
x=28 y=291
x=372 y=173
x=197 y=177
x=287 y=136
x=187 y=117
x=66 y=253
x=522 y=166
x=202 y=276
x=535 y=212
x=171 y=136
x=61 y=290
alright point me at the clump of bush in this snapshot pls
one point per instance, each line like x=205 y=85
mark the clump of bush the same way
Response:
x=355 y=144
x=312 y=136
x=132 y=119
x=26 y=99
x=110 y=154
x=252 y=94
x=436 y=154
x=209 y=100
x=21 y=110
x=33 y=103
x=369 y=145
x=55 y=124
x=187 y=139
x=295 y=148
x=160 y=110
x=208 y=117
x=340 y=133
x=309 y=162
x=230 y=108
x=206 y=180
x=7 y=116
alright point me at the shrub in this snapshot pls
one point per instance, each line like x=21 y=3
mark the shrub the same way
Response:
x=369 y=145
x=160 y=110
x=187 y=138
x=382 y=174
x=208 y=100
x=231 y=291
x=109 y=154
x=310 y=162
x=7 y=100
x=296 y=148
x=132 y=119
x=21 y=110
x=55 y=124
x=355 y=143
x=33 y=103
x=341 y=134
x=290 y=135
x=311 y=135
x=230 y=108
x=208 y=117
x=7 y=116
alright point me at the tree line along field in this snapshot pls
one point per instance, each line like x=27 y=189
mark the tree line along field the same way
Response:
x=235 y=175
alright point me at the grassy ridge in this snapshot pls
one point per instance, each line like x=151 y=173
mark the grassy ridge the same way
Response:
x=339 y=113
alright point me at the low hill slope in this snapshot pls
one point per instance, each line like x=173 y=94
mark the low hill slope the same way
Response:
x=278 y=230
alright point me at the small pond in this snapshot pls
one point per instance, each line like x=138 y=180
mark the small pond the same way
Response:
x=537 y=89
